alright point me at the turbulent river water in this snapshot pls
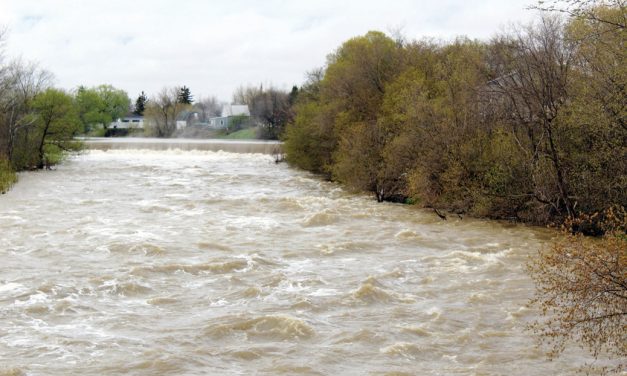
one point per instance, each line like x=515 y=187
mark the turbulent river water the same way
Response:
x=198 y=263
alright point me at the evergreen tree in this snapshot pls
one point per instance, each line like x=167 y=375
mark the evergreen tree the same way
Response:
x=140 y=104
x=293 y=95
x=185 y=96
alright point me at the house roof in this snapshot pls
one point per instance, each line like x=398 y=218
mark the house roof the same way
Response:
x=235 y=110
x=186 y=115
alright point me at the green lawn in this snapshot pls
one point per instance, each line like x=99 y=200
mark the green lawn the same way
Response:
x=243 y=134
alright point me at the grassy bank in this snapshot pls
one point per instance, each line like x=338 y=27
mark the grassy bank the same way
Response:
x=242 y=134
x=196 y=132
x=8 y=177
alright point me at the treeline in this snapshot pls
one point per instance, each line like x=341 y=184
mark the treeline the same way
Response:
x=271 y=109
x=528 y=126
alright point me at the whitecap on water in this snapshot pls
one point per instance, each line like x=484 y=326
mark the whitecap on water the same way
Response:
x=323 y=218
x=11 y=289
x=272 y=327
x=372 y=291
x=408 y=350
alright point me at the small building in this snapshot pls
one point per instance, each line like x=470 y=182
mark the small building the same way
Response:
x=130 y=121
x=230 y=113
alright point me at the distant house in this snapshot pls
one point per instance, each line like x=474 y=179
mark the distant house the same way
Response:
x=130 y=121
x=230 y=112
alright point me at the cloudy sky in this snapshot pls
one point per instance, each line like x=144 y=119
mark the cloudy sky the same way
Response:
x=215 y=46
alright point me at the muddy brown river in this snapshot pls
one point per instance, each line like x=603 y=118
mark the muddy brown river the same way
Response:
x=168 y=262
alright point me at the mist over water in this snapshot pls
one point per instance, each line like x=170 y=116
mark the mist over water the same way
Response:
x=197 y=262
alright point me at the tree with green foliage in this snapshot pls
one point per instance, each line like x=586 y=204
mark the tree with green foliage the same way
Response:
x=117 y=103
x=37 y=122
x=100 y=105
x=530 y=126
x=56 y=125
x=309 y=138
x=140 y=104
x=597 y=111
x=90 y=109
x=185 y=96
x=354 y=86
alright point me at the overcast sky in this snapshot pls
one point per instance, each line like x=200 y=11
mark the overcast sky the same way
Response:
x=215 y=46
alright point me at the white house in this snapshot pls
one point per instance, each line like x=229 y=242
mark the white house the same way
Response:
x=130 y=121
x=229 y=113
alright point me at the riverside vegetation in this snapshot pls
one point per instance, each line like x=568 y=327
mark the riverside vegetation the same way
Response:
x=529 y=126
x=37 y=121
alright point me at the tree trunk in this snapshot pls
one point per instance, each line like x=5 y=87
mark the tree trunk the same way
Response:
x=40 y=163
x=561 y=184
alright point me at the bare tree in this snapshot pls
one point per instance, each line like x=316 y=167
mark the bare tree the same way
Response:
x=581 y=289
x=273 y=110
x=533 y=68
x=591 y=10
x=207 y=107
x=246 y=95
x=20 y=82
x=162 y=111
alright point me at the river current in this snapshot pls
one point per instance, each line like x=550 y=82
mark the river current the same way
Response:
x=198 y=263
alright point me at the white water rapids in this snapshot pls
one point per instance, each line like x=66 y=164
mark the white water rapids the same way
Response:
x=199 y=263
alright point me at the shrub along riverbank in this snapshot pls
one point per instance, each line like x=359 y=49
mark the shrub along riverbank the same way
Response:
x=7 y=176
x=528 y=126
